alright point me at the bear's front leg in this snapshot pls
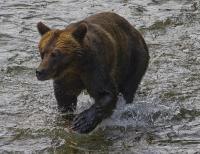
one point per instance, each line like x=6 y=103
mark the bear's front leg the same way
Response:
x=66 y=101
x=101 y=86
x=90 y=118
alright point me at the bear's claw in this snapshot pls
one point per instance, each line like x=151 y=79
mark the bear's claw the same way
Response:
x=86 y=121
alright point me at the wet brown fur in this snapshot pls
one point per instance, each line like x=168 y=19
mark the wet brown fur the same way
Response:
x=108 y=56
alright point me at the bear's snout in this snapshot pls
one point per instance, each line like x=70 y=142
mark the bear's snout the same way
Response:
x=41 y=74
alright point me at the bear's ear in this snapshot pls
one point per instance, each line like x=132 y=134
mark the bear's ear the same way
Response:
x=42 y=28
x=80 y=31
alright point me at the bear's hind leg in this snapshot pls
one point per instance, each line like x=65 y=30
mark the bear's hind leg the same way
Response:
x=130 y=87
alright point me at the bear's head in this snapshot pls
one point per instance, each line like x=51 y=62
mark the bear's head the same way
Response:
x=59 y=50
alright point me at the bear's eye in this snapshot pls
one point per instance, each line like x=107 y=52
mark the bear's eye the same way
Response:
x=55 y=53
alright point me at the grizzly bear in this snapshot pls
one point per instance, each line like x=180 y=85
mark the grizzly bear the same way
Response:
x=103 y=54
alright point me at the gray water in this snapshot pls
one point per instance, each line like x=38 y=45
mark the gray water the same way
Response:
x=165 y=114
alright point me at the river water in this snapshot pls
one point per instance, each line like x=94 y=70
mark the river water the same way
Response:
x=165 y=114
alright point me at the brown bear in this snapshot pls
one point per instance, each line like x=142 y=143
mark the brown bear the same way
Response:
x=103 y=54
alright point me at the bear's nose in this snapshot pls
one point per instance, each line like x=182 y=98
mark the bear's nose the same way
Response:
x=41 y=73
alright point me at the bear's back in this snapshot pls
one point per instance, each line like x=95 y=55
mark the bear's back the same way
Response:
x=116 y=25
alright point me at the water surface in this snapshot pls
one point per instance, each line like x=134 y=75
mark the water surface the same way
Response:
x=165 y=114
